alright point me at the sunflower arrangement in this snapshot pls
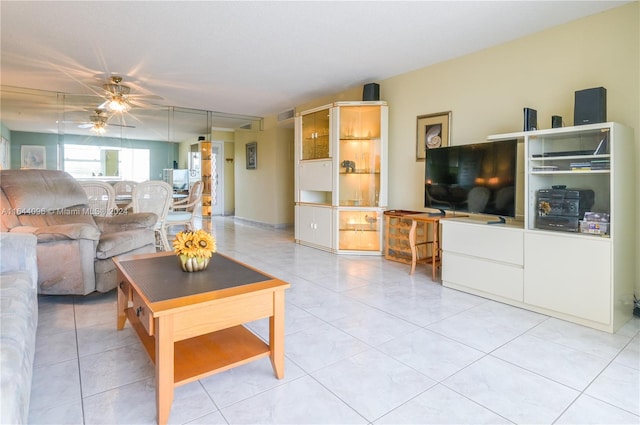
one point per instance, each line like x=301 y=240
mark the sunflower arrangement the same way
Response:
x=194 y=249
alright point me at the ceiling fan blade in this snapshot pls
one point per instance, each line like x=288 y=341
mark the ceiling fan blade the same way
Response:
x=122 y=125
x=86 y=125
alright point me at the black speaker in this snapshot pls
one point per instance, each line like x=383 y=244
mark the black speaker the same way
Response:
x=530 y=119
x=371 y=91
x=590 y=106
x=556 y=121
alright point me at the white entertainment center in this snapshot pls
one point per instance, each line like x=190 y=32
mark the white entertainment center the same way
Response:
x=584 y=276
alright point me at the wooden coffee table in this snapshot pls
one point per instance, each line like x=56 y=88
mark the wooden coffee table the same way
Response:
x=191 y=323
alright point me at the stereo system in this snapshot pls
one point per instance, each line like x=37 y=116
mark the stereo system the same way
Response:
x=562 y=209
x=590 y=106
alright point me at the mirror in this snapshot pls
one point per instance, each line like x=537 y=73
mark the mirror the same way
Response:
x=41 y=111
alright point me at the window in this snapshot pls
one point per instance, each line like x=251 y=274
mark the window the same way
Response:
x=84 y=161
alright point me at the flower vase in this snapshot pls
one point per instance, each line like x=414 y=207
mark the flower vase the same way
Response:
x=193 y=264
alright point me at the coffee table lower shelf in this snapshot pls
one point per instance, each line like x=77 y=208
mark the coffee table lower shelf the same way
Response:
x=205 y=355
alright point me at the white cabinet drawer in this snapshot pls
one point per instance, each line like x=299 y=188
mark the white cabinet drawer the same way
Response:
x=482 y=275
x=496 y=243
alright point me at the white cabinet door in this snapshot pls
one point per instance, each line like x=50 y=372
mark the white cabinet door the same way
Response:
x=569 y=274
x=316 y=175
x=314 y=225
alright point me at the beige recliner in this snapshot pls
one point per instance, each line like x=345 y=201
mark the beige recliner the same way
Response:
x=75 y=249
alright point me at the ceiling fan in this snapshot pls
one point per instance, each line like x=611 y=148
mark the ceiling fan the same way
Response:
x=118 y=96
x=98 y=121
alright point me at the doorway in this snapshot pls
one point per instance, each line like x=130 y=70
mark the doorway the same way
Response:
x=217 y=177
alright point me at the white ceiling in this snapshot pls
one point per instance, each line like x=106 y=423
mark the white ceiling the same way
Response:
x=250 y=58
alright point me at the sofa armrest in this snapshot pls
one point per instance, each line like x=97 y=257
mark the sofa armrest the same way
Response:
x=59 y=232
x=122 y=222
x=18 y=253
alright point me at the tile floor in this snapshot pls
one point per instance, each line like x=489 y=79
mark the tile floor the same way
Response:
x=365 y=344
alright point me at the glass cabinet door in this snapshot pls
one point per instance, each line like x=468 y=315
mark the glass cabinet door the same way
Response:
x=315 y=135
x=359 y=155
x=359 y=230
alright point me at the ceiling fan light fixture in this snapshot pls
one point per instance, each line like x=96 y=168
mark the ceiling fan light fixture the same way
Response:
x=117 y=95
x=118 y=104
x=99 y=128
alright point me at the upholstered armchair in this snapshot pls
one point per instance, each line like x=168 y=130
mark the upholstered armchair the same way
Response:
x=74 y=249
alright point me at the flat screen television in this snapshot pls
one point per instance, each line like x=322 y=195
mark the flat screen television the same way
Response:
x=477 y=178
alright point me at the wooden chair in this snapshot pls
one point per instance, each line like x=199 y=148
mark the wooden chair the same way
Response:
x=154 y=196
x=102 y=197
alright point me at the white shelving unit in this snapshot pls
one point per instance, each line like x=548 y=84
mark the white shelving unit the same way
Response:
x=341 y=177
x=581 y=277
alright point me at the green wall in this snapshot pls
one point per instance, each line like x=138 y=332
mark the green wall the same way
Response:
x=162 y=154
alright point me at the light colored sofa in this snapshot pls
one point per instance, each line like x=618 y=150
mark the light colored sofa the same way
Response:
x=18 y=322
x=75 y=249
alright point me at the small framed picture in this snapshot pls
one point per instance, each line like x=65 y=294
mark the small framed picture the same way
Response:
x=252 y=155
x=33 y=156
x=432 y=131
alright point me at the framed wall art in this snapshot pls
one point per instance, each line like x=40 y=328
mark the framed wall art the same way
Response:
x=252 y=155
x=33 y=156
x=432 y=131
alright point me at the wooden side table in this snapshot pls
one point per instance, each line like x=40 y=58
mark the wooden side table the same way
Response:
x=433 y=222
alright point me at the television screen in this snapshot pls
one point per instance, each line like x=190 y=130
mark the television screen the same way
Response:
x=477 y=178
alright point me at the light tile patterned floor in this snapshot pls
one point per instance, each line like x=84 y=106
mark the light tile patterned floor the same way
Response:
x=365 y=344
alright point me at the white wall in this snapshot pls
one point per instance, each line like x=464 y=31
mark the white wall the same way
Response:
x=265 y=195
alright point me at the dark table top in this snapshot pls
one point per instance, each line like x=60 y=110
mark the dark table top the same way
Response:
x=161 y=278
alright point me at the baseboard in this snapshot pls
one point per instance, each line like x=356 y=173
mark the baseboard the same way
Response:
x=261 y=224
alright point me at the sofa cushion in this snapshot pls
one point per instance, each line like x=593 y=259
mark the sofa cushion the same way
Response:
x=112 y=244
x=118 y=223
x=9 y=220
x=18 y=322
x=38 y=190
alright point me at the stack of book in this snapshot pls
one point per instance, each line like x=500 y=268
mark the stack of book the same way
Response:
x=545 y=168
x=600 y=164
x=580 y=166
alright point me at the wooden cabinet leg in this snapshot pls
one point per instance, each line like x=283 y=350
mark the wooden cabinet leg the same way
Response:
x=164 y=367
x=276 y=334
